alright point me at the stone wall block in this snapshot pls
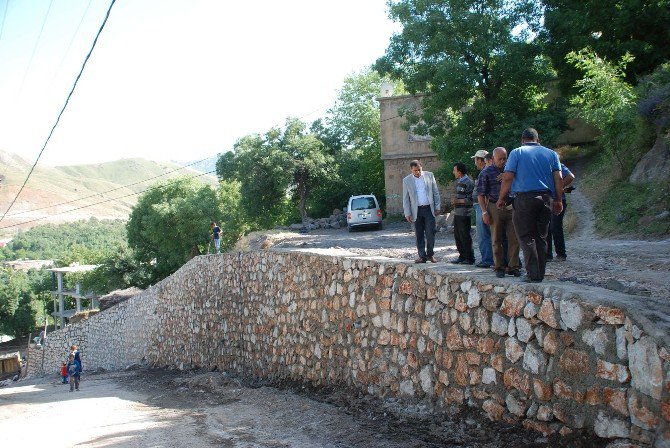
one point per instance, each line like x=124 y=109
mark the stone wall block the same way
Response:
x=547 y=314
x=612 y=316
x=645 y=367
x=513 y=305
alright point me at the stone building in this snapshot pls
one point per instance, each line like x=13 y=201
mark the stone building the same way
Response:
x=400 y=146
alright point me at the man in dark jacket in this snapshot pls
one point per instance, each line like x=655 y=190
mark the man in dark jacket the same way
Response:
x=462 y=210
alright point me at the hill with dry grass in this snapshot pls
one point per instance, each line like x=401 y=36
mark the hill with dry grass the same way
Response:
x=69 y=193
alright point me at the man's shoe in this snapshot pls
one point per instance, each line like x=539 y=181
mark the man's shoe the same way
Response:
x=457 y=261
x=560 y=258
x=483 y=265
x=468 y=262
x=420 y=260
x=432 y=259
x=514 y=272
x=527 y=279
x=500 y=273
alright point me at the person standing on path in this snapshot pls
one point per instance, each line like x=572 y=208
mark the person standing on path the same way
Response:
x=556 y=226
x=74 y=373
x=421 y=203
x=533 y=173
x=488 y=192
x=483 y=230
x=462 y=202
x=216 y=235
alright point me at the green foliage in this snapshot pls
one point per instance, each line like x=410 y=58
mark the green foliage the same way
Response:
x=483 y=74
x=118 y=270
x=59 y=242
x=20 y=297
x=232 y=223
x=622 y=208
x=170 y=225
x=609 y=103
x=654 y=97
x=612 y=28
x=275 y=170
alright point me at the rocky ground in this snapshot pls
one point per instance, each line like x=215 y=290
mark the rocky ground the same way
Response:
x=160 y=408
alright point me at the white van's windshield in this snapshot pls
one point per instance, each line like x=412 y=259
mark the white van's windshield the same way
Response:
x=363 y=203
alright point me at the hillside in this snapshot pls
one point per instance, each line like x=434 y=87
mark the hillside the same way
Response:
x=84 y=184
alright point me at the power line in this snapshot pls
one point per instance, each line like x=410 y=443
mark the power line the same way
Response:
x=108 y=191
x=69 y=45
x=100 y=202
x=37 y=43
x=4 y=16
x=63 y=109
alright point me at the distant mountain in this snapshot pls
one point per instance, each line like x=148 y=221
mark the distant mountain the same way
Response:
x=204 y=166
x=109 y=185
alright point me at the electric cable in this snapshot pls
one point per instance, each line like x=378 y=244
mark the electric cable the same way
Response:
x=37 y=43
x=4 y=16
x=69 y=45
x=101 y=202
x=108 y=191
x=95 y=41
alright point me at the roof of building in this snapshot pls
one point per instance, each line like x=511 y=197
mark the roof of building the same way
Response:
x=78 y=268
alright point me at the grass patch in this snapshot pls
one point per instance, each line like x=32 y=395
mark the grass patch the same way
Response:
x=623 y=208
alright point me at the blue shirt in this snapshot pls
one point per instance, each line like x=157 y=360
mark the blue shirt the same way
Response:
x=533 y=166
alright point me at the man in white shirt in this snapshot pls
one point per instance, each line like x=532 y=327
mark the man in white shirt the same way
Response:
x=421 y=203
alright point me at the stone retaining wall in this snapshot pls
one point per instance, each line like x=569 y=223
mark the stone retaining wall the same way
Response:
x=554 y=358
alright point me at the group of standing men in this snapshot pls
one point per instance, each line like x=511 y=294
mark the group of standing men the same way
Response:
x=518 y=202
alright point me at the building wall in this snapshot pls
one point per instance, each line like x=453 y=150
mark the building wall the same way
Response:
x=553 y=358
x=400 y=146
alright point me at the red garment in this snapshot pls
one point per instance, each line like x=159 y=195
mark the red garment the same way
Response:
x=63 y=370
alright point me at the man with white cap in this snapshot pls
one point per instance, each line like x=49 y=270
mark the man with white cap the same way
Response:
x=483 y=230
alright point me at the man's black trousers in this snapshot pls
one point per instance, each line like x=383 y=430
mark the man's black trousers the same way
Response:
x=463 y=238
x=532 y=215
x=424 y=228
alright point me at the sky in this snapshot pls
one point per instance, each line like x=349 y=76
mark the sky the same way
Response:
x=173 y=79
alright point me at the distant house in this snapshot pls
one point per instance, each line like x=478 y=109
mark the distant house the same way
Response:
x=10 y=363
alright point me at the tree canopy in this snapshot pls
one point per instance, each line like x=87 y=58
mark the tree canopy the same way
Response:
x=483 y=73
x=612 y=29
x=276 y=170
x=170 y=224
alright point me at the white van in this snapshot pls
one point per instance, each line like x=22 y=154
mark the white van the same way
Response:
x=364 y=211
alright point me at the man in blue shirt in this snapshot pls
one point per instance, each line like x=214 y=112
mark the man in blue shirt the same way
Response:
x=533 y=174
x=216 y=235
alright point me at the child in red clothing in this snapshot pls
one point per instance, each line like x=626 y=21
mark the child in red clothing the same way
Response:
x=63 y=372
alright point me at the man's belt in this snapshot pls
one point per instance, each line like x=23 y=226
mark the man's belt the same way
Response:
x=534 y=193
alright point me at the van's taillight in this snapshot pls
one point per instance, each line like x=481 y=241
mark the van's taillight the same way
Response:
x=379 y=213
x=349 y=216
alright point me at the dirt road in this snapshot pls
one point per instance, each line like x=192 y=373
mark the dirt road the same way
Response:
x=158 y=408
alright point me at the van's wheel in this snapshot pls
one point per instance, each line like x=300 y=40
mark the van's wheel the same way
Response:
x=380 y=226
x=349 y=229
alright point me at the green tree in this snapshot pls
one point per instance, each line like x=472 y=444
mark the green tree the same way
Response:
x=482 y=71
x=612 y=28
x=609 y=103
x=170 y=224
x=17 y=313
x=352 y=128
x=63 y=241
x=274 y=167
